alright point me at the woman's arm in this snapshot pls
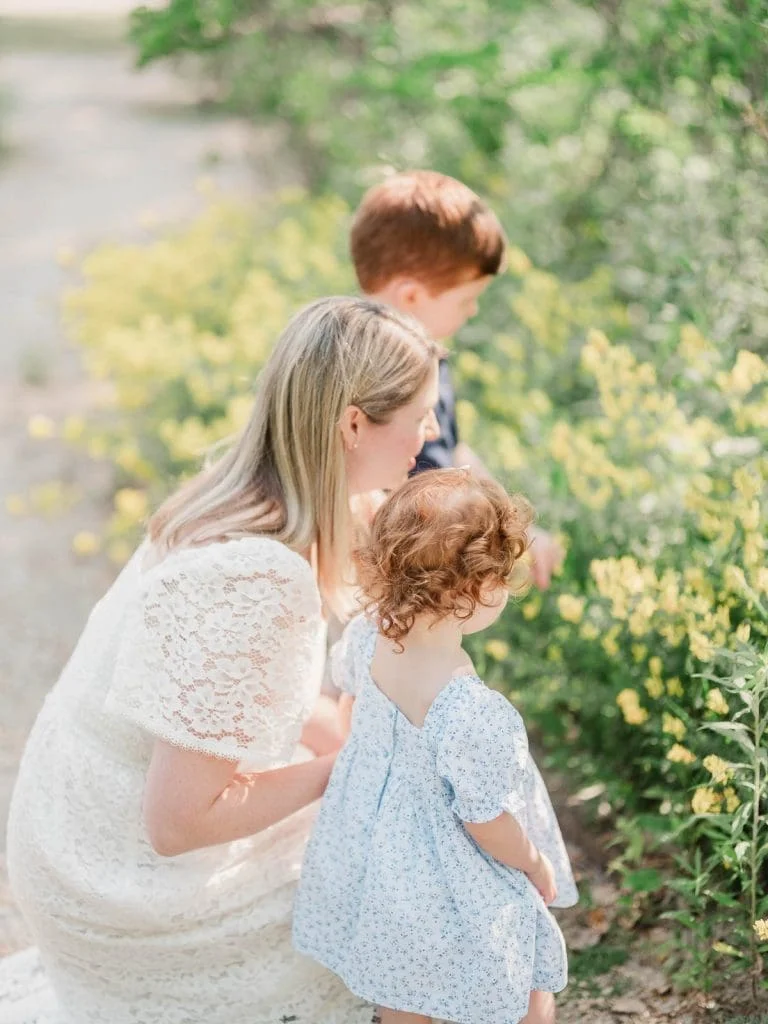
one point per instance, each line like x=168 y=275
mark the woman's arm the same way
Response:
x=506 y=841
x=193 y=800
x=346 y=707
x=324 y=731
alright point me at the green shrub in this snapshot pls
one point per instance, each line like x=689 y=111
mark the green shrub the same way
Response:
x=632 y=134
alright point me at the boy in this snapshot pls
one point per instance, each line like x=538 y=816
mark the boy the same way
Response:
x=427 y=245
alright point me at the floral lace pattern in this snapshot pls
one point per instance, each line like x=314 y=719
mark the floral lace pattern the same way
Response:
x=217 y=649
x=209 y=648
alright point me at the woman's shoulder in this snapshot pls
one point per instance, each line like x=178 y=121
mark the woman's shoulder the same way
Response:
x=251 y=557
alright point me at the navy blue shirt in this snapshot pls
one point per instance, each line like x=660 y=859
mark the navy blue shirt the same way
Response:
x=438 y=454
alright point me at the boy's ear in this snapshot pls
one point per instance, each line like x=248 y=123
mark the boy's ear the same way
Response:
x=408 y=294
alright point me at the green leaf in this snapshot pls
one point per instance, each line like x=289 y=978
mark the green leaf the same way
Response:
x=735 y=731
x=644 y=880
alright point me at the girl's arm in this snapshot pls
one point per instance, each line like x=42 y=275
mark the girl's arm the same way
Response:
x=193 y=800
x=506 y=841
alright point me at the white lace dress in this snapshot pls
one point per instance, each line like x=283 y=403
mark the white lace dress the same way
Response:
x=217 y=649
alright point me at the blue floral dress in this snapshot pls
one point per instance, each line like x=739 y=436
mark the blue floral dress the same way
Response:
x=395 y=896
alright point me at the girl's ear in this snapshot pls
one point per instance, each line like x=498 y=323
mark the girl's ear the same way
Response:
x=350 y=424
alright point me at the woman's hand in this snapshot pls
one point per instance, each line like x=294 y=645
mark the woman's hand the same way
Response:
x=543 y=877
x=324 y=731
x=546 y=555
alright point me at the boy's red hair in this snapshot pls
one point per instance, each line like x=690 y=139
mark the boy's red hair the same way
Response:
x=436 y=544
x=428 y=226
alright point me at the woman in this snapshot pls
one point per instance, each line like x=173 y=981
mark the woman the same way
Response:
x=162 y=806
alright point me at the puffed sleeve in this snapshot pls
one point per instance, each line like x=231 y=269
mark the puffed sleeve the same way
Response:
x=482 y=753
x=351 y=656
x=214 y=651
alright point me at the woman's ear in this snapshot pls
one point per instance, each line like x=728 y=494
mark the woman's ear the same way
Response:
x=350 y=424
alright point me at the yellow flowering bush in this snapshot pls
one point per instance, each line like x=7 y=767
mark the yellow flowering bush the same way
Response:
x=178 y=330
x=654 y=470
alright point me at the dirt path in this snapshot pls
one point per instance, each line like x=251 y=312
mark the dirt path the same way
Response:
x=95 y=150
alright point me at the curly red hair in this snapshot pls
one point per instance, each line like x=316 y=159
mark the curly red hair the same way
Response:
x=437 y=544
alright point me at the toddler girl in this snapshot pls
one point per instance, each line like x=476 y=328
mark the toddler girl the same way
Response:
x=436 y=851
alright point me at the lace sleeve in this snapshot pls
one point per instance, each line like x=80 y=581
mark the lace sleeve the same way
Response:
x=216 y=653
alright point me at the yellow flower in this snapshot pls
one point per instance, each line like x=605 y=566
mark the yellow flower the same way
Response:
x=732 y=801
x=719 y=769
x=749 y=370
x=629 y=702
x=532 y=607
x=734 y=578
x=41 y=427
x=609 y=644
x=639 y=652
x=638 y=623
x=571 y=608
x=655 y=665
x=701 y=646
x=655 y=687
x=119 y=551
x=750 y=516
x=761 y=929
x=692 y=342
x=716 y=702
x=746 y=484
x=517 y=262
x=73 y=428
x=724 y=947
x=15 y=505
x=85 y=543
x=673 y=726
x=705 y=801
x=675 y=687
x=131 y=503
x=743 y=632
x=680 y=755
x=589 y=631
x=498 y=649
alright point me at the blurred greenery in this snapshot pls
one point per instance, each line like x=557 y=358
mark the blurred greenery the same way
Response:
x=632 y=133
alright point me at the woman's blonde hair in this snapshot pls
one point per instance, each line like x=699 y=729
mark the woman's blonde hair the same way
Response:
x=437 y=544
x=285 y=475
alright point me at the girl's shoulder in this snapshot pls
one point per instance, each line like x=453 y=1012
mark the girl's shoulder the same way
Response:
x=467 y=710
x=351 y=656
